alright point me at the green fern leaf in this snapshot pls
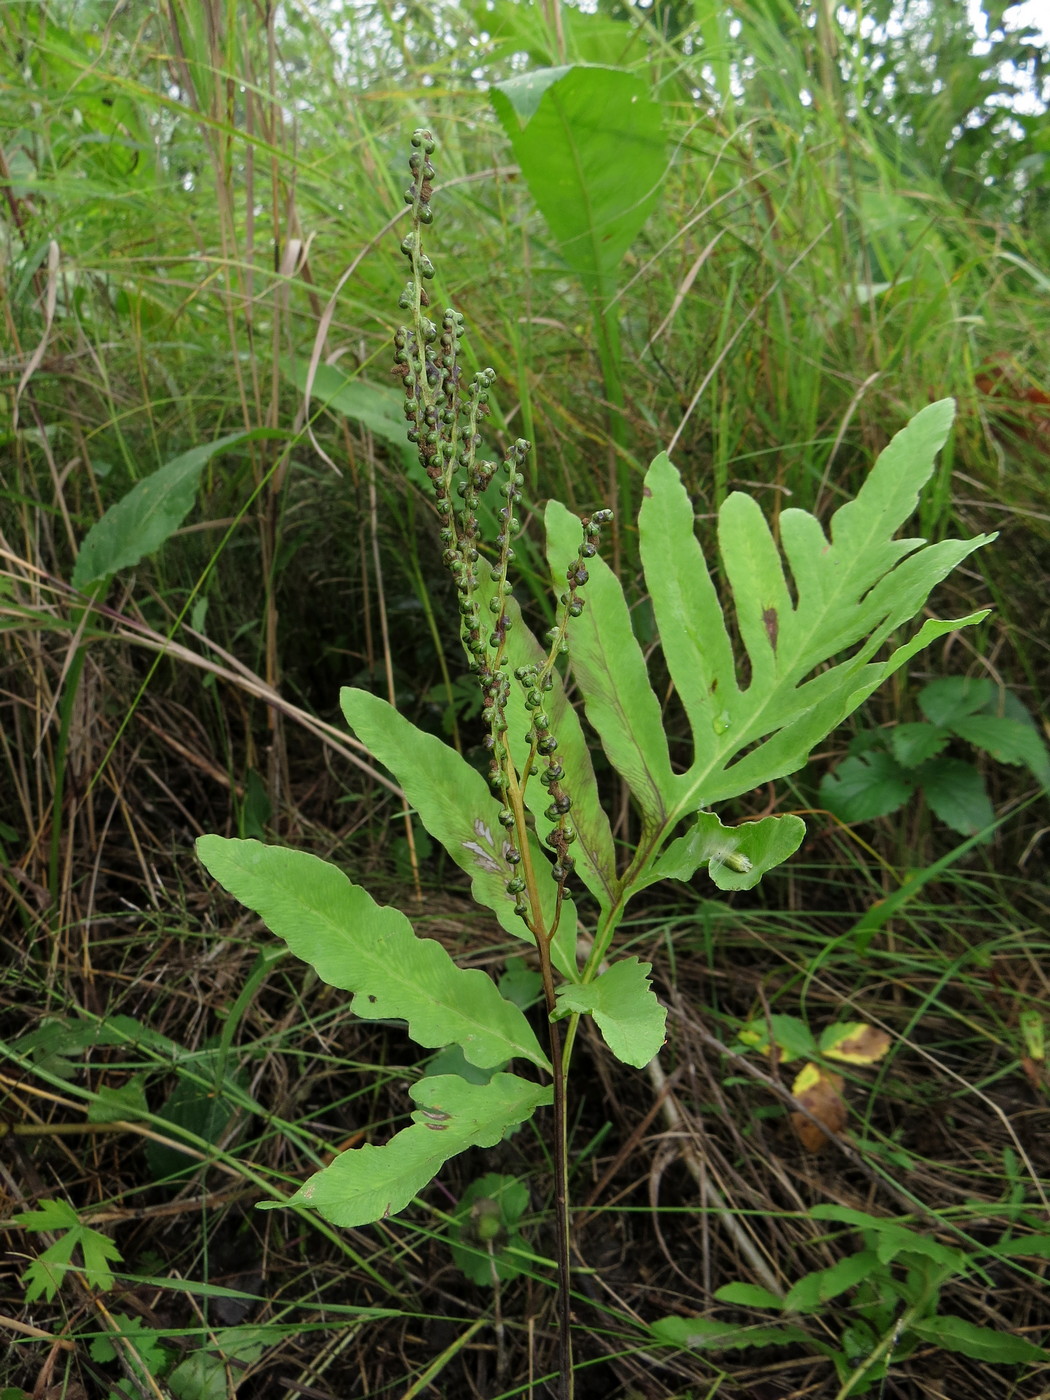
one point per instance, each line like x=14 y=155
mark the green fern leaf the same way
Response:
x=371 y=1183
x=371 y=950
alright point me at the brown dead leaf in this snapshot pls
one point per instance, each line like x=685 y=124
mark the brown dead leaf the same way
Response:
x=860 y=1044
x=819 y=1092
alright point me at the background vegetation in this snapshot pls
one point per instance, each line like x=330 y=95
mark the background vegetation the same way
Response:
x=198 y=199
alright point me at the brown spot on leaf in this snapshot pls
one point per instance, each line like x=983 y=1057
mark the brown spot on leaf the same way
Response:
x=772 y=625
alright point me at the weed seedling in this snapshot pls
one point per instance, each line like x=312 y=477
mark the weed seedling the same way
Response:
x=533 y=836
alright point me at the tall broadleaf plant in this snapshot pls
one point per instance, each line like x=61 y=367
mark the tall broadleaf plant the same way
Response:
x=822 y=620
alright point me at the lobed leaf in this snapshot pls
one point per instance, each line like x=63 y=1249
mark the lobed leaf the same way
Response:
x=371 y=950
x=853 y=590
x=624 y=1007
x=866 y=786
x=370 y=1183
x=980 y=1343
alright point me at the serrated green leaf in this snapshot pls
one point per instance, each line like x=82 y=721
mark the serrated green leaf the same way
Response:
x=589 y=141
x=912 y=744
x=371 y=1183
x=115 y=1102
x=456 y=805
x=371 y=950
x=624 y=1007
x=894 y=1240
x=852 y=591
x=950 y=698
x=1025 y=1247
x=956 y=794
x=1007 y=740
x=980 y=1343
x=814 y=1290
x=45 y=1275
x=150 y=513
x=204 y=1374
x=49 y=1215
x=865 y=787
x=149 y=1349
x=609 y=667
x=736 y=856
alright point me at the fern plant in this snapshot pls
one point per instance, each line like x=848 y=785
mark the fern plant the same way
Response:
x=535 y=833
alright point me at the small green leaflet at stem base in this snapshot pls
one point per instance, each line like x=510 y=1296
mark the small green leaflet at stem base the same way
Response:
x=370 y=1183
x=736 y=856
x=371 y=950
x=625 y=1008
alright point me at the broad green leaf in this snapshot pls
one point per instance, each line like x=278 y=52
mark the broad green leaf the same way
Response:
x=371 y=950
x=149 y=514
x=371 y=1183
x=812 y=1291
x=589 y=37
x=912 y=744
x=956 y=793
x=980 y=1343
x=852 y=591
x=951 y=698
x=736 y=856
x=1007 y=740
x=608 y=666
x=456 y=805
x=792 y=1037
x=896 y=1240
x=711 y=1335
x=590 y=144
x=865 y=787
x=625 y=1008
